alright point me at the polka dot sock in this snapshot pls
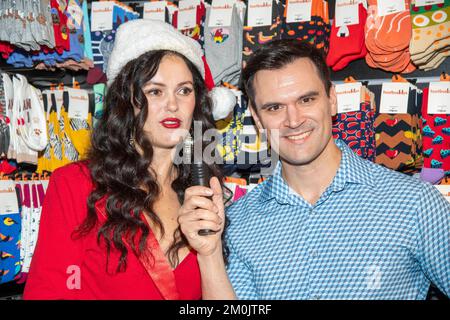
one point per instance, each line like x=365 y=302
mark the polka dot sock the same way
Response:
x=316 y=31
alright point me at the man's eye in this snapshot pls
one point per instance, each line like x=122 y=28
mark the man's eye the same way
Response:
x=274 y=107
x=307 y=100
x=185 y=91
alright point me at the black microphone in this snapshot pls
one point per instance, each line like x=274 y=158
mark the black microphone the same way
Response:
x=200 y=175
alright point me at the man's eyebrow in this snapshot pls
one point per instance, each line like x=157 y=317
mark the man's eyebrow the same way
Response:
x=308 y=94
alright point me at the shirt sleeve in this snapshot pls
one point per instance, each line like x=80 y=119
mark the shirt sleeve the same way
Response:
x=434 y=237
x=57 y=257
x=241 y=276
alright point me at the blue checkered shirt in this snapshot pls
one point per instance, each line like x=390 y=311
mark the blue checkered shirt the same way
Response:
x=373 y=234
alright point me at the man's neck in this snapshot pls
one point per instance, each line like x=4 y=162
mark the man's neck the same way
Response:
x=312 y=179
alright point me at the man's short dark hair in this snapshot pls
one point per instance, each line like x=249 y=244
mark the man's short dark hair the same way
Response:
x=277 y=54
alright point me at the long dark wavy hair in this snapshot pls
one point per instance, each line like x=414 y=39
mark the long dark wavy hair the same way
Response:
x=123 y=175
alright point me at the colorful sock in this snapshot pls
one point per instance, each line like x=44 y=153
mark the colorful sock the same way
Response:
x=316 y=31
x=196 y=33
x=397 y=138
x=349 y=44
x=429 y=23
x=436 y=138
x=435 y=61
x=223 y=47
x=61 y=32
x=255 y=37
x=387 y=40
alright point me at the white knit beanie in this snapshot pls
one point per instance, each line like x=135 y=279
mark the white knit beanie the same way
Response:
x=137 y=37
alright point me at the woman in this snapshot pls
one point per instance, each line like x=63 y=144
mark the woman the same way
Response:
x=109 y=226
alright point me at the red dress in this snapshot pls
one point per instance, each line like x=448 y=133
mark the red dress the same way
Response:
x=64 y=267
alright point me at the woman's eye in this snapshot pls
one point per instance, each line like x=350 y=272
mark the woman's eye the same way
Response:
x=185 y=91
x=153 y=92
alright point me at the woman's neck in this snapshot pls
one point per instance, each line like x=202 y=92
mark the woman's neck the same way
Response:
x=163 y=167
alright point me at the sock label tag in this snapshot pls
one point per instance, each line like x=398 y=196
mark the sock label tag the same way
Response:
x=386 y=7
x=221 y=13
x=348 y=97
x=298 y=11
x=8 y=198
x=155 y=10
x=445 y=190
x=394 y=97
x=259 y=13
x=78 y=104
x=102 y=15
x=347 y=12
x=187 y=14
x=423 y=3
x=439 y=98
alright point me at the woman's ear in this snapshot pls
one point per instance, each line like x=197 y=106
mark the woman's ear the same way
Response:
x=333 y=100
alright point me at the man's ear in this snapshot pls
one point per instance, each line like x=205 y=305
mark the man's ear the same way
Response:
x=255 y=116
x=333 y=100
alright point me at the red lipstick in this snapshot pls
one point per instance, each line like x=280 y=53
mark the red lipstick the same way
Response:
x=171 y=123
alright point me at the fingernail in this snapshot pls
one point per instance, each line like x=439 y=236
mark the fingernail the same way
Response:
x=209 y=192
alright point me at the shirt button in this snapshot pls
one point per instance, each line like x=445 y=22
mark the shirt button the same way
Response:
x=317 y=297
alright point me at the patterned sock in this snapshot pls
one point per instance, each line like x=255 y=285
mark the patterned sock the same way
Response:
x=397 y=138
x=316 y=31
x=429 y=23
x=61 y=32
x=436 y=138
x=223 y=47
x=10 y=227
x=387 y=40
x=196 y=33
x=255 y=37
x=347 y=45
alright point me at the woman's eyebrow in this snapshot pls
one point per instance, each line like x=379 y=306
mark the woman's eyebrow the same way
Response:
x=163 y=85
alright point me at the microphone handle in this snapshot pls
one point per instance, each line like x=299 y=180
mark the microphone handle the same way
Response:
x=200 y=177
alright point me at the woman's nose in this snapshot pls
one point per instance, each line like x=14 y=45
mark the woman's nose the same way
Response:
x=172 y=103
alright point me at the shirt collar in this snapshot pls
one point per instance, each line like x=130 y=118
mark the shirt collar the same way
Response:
x=352 y=169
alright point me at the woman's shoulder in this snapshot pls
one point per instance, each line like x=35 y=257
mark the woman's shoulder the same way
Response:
x=75 y=175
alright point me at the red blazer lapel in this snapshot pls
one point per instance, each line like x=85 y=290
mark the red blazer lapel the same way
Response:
x=153 y=260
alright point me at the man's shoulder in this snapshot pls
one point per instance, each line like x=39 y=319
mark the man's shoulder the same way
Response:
x=392 y=182
x=248 y=204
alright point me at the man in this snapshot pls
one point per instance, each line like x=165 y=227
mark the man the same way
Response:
x=328 y=224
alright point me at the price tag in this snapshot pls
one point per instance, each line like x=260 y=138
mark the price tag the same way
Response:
x=155 y=10
x=298 y=11
x=386 y=7
x=259 y=13
x=347 y=12
x=78 y=104
x=445 y=190
x=439 y=98
x=348 y=97
x=394 y=97
x=423 y=3
x=187 y=14
x=102 y=15
x=8 y=198
x=221 y=13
